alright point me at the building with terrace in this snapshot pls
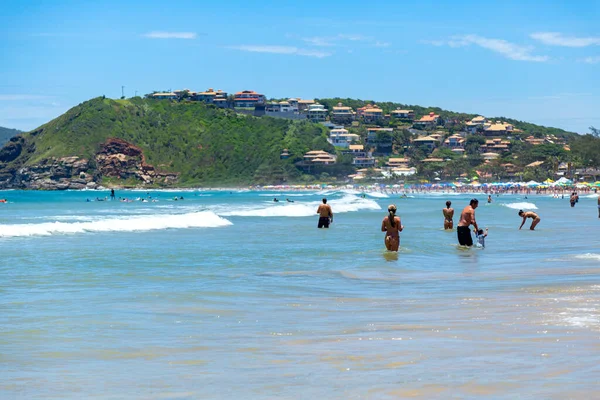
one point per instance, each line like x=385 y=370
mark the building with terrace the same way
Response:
x=403 y=114
x=476 y=124
x=429 y=121
x=341 y=137
x=342 y=114
x=248 y=99
x=497 y=128
x=370 y=114
x=164 y=96
x=210 y=95
x=316 y=113
x=319 y=157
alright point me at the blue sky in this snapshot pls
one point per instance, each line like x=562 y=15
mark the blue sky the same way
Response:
x=537 y=61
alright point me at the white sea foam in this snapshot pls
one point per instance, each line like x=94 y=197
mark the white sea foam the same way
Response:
x=203 y=219
x=588 y=256
x=520 y=206
x=378 y=195
x=347 y=203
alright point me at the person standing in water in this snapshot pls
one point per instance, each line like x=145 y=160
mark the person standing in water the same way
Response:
x=112 y=194
x=529 y=214
x=489 y=198
x=467 y=218
x=392 y=227
x=325 y=215
x=448 y=215
x=598 y=206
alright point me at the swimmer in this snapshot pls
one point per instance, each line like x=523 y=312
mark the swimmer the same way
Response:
x=392 y=227
x=448 y=215
x=275 y=200
x=467 y=218
x=598 y=206
x=289 y=201
x=325 y=215
x=529 y=214
x=489 y=198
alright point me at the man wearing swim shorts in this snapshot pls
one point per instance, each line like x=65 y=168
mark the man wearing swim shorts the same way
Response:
x=325 y=215
x=467 y=218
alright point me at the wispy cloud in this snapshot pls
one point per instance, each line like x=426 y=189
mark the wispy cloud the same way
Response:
x=170 y=35
x=591 y=60
x=290 y=50
x=558 y=39
x=339 y=39
x=22 y=97
x=507 y=49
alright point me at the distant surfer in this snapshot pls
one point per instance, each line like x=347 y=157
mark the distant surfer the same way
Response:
x=529 y=214
x=112 y=194
x=275 y=200
x=448 y=215
x=467 y=218
x=392 y=227
x=325 y=214
x=289 y=201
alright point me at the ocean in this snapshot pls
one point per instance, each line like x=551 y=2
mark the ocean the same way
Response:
x=229 y=295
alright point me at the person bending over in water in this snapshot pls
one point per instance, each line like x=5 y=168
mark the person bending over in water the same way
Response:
x=467 y=218
x=325 y=215
x=392 y=227
x=529 y=214
x=448 y=215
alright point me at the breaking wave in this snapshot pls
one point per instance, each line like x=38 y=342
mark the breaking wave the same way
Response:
x=347 y=203
x=203 y=219
x=521 y=206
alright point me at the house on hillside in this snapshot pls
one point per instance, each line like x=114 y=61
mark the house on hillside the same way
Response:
x=427 y=141
x=398 y=162
x=372 y=134
x=408 y=115
x=248 y=99
x=316 y=113
x=342 y=114
x=370 y=114
x=210 y=96
x=164 y=96
x=455 y=142
x=341 y=137
x=304 y=104
x=496 y=145
x=319 y=157
x=535 y=141
x=429 y=121
x=475 y=124
x=498 y=129
x=360 y=157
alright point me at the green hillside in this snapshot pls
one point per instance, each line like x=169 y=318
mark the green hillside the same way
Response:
x=7 y=133
x=203 y=143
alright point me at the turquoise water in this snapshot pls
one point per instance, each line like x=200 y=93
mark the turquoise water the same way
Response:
x=228 y=295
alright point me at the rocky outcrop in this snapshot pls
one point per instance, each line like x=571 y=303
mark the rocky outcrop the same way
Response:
x=116 y=159
x=123 y=160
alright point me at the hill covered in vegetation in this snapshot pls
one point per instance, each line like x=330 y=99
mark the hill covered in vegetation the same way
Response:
x=199 y=143
x=6 y=134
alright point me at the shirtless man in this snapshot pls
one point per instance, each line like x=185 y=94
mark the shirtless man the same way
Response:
x=392 y=227
x=325 y=215
x=448 y=215
x=532 y=215
x=467 y=218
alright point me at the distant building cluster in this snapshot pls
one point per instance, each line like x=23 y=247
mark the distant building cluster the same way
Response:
x=366 y=133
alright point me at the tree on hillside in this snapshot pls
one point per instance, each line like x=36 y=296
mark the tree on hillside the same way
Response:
x=594 y=131
x=473 y=144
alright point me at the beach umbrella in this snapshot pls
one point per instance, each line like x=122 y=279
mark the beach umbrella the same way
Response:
x=532 y=183
x=548 y=181
x=597 y=183
x=475 y=178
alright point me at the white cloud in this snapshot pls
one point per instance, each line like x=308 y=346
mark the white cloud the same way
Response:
x=20 y=97
x=557 y=39
x=291 y=50
x=507 y=49
x=591 y=60
x=328 y=41
x=170 y=35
